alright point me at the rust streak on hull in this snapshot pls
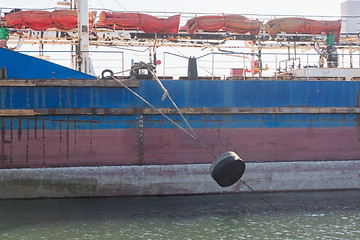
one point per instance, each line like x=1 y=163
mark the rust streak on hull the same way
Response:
x=170 y=147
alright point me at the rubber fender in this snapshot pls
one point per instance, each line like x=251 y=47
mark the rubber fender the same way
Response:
x=227 y=169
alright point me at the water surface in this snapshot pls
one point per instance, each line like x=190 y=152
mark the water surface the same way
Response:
x=314 y=215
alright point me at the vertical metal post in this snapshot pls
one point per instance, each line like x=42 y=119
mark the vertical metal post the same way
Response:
x=307 y=69
x=83 y=28
x=288 y=52
x=164 y=64
x=41 y=49
x=151 y=51
x=72 y=57
x=351 y=57
x=260 y=62
x=212 y=67
x=276 y=73
x=123 y=64
x=244 y=68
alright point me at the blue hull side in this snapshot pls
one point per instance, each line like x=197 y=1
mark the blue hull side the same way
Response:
x=257 y=118
x=21 y=66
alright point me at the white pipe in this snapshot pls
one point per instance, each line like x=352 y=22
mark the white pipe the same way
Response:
x=83 y=28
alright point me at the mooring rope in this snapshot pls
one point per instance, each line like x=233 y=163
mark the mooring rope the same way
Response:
x=166 y=94
x=152 y=106
x=192 y=134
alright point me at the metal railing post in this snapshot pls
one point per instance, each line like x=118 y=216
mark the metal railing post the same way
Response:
x=244 y=70
x=276 y=73
x=212 y=66
x=123 y=64
x=307 y=66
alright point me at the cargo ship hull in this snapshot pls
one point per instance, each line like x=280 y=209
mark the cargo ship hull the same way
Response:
x=62 y=137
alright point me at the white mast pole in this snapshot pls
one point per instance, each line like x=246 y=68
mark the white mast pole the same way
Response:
x=83 y=28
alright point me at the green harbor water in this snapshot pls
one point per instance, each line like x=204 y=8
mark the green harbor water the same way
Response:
x=308 y=215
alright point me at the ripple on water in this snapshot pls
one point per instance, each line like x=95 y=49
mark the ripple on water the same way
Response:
x=334 y=215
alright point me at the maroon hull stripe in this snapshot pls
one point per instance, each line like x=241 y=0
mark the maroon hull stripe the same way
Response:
x=171 y=146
